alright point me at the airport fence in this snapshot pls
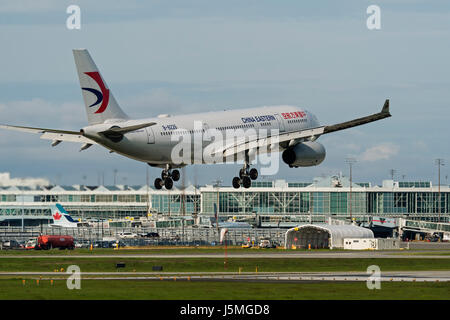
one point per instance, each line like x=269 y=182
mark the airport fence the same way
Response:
x=187 y=236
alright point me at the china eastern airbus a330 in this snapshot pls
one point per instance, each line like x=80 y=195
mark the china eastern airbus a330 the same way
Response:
x=287 y=129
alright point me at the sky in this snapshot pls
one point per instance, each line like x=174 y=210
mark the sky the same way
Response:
x=190 y=56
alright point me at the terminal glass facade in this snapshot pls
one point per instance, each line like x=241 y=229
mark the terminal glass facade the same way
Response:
x=323 y=197
x=324 y=202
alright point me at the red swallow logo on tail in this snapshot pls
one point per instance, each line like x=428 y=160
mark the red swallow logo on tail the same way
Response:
x=102 y=95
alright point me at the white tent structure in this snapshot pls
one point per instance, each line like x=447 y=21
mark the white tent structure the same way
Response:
x=324 y=235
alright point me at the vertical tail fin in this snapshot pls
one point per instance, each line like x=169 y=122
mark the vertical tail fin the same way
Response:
x=61 y=217
x=99 y=101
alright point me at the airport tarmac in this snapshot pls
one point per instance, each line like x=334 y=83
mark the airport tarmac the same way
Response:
x=390 y=276
x=250 y=255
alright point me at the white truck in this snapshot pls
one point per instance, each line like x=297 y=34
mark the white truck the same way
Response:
x=266 y=243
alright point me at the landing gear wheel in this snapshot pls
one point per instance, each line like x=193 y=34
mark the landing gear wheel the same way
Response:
x=241 y=173
x=164 y=175
x=168 y=183
x=253 y=174
x=158 y=183
x=236 y=182
x=175 y=175
x=246 y=182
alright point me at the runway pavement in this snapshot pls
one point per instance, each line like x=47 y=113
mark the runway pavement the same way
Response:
x=391 y=276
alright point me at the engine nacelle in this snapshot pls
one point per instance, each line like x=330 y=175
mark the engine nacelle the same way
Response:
x=304 y=154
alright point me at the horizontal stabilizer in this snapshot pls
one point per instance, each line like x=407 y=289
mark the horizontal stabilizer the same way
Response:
x=124 y=130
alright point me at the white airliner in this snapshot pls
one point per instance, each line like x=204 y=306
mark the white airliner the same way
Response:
x=288 y=129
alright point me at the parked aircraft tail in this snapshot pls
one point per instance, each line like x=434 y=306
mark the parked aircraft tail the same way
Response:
x=61 y=217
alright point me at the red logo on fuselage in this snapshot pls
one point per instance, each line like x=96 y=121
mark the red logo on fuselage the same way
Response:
x=57 y=216
x=293 y=115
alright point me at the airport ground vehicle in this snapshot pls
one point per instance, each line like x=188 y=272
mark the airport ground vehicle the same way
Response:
x=108 y=244
x=127 y=235
x=11 y=244
x=46 y=242
x=118 y=244
x=266 y=243
x=31 y=244
x=248 y=244
x=82 y=244
x=149 y=235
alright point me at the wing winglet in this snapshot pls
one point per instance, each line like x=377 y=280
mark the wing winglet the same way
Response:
x=385 y=109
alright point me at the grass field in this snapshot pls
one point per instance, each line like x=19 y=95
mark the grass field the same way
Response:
x=11 y=286
x=184 y=290
x=217 y=264
x=151 y=250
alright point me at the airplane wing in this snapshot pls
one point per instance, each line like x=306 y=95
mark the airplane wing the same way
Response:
x=52 y=134
x=294 y=137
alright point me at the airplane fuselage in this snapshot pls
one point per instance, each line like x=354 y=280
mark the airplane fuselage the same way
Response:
x=154 y=144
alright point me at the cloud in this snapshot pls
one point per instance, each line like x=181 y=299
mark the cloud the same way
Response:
x=20 y=6
x=382 y=151
x=39 y=112
x=159 y=100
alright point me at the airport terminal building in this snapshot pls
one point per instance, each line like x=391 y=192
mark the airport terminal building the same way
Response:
x=273 y=202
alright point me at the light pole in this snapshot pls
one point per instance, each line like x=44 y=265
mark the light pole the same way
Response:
x=148 y=192
x=350 y=162
x=439 y=162
x=217 y=184
x=392 y=172
x=23 y=200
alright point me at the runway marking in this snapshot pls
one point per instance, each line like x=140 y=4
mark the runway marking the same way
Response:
x=391 y=276
x=272 y=279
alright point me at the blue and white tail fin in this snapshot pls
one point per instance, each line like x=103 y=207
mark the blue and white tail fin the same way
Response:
x=61 y=217
x=99 y=101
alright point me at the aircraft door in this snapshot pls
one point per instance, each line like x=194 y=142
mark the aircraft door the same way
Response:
x=150 y=135
x=280 y=123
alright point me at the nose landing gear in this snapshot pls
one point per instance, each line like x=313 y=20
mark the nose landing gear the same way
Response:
x=168 y=176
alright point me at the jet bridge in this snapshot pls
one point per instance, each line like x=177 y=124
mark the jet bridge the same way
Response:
x=424 y=227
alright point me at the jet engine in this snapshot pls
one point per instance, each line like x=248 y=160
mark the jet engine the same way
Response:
x=304 y=154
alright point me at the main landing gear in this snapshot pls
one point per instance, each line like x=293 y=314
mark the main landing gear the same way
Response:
x=246 y=175
x=168 y=176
